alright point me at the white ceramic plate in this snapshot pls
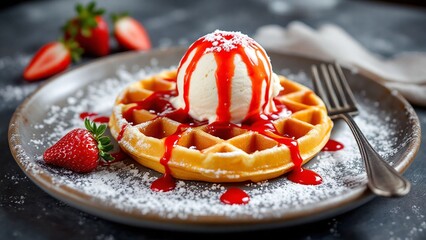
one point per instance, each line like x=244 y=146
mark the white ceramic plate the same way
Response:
x=121 y=192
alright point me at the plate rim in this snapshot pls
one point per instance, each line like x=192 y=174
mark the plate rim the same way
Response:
x=328 y=208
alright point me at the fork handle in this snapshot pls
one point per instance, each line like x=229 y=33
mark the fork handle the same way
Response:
x=383 y=179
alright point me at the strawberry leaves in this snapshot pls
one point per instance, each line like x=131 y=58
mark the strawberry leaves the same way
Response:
x=74 y=48
x=85 y=20
x=104 y=143
x=117 y=16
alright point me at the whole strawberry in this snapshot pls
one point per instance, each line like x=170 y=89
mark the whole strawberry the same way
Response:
x=80 y=149
x=89 y=29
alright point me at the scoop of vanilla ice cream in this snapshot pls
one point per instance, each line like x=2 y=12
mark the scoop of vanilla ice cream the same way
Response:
x=199 y=68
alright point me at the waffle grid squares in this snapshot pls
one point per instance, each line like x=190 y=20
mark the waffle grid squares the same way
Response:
x=234 y=156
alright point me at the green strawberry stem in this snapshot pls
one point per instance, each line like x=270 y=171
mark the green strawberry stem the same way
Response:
x=84 y=21
x=104 y=143
x=75 y=50
x=117 y=16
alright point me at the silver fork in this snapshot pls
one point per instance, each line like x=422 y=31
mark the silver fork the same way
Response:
x=339 y=100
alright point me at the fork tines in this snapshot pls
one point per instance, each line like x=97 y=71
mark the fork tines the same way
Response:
x=334 y=89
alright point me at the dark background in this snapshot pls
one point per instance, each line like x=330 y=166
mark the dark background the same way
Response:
x=26 y=212
x=415 y=3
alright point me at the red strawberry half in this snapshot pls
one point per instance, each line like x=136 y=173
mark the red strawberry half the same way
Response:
x=50 y=59
x=89 y=29
x=130 y=34
x=80 y=149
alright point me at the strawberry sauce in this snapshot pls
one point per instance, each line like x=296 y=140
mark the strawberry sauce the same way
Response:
x=333 y=145
x=260 y=72
x=118 y=157
x=95 y=117
x=167 y=182
x=235 y=195
x=263 y=125
x=121 y=133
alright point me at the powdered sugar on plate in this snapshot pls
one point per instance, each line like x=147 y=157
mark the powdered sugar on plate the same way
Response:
x=125 y=186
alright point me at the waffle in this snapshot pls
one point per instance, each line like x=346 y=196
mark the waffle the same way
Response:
x=242 y=155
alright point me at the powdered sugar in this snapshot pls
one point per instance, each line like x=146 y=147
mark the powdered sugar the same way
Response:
x=226 y=41
x=10 y=93
x=13 y=93
x=125 y=186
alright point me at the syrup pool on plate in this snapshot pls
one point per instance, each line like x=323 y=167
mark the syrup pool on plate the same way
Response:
x=95 y=117
x=333 y=145
x=235 y=195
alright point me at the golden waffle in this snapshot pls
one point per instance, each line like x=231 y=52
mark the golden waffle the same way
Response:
x=243 y=155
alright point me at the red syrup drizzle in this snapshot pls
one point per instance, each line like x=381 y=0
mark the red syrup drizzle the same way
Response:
x=94 y=117
x=118 y=157
x=263 y=125
x=167 y=182
x=121 y=133
x=258 y=72
x=333 y=145
x=235 y=195
x=158 y=103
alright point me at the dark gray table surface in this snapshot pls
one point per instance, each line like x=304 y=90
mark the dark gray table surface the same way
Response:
x=26 y=212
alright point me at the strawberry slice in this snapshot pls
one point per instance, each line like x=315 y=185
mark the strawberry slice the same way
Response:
x=130 y=34
x=80 y=149
x=89 y=29
x=50 y=59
